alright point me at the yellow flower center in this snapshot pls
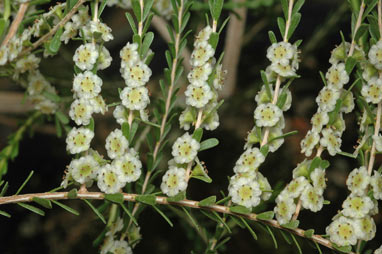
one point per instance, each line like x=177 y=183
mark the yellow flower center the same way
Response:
x=245 y=192
x=87 y=85
x=172 y=181
x=85 y=170
x=279 y=52
x=128 y=168
x=110 y=178
x=135 y=96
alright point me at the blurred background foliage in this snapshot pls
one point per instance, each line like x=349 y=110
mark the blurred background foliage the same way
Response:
x=61 y=232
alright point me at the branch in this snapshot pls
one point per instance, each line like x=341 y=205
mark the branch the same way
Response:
x=54 y=29
x=129 y=197
x=16 y=22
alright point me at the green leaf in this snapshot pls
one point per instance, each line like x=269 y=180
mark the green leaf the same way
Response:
x=136 y=9
x=265 y=215
x=163 y=215
x=95 y=210
x=129 y=214
x=4 y=189
x=193 y=221
x=343 y=249
x=291 y=225
x=102 y=8
x=178 y=197
x=284 y=6
x=281 y=24
x=55 y=43
x=32 y=209
x=5 y=214
x=350 y=155
x=197 y=135
x=208 y=144
x=72 y=194
x=125 y=130
x=62 y=117
x=65 y=207
x=58 y=126
x=297 y=244
x=297 y=6
x=285 y=236
x=266 y=83
x=264 y=150
x=318 y=247
x=291 y=133
x=24 y=183
x=133 y=131
x=198 y=172
x=222 y=243
x=43 y=202
x=148 y=39
x=324 y=164
x=316 y=162
x=146 y=8
x=361 y=31
x=208 y=201
x=293 y=24
x=3 y=25
x=90 y=126
x=272 y=37
x=309 y=233
x=349 y=64
x=131 y=22
x=115 y=198
x=273 y=236
x=147 y=199
x=240 y=209
x=249 y=228
x=213 y=40
x=217 y=9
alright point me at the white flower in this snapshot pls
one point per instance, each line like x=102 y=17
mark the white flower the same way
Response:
x=115 y=227
x=120 y=114
x=203 y=35
x=331 y=140
x=120 y=247
x=347 y=105
x=378 y=251
x=357 y=206
x=46 y=106
x=87 y=85
x=116 y=144
x=98 y=104
x=81 y=111
x=376 y=183
x=378 y=142
x=108 y=180
x=129 y=55
x=70 y=31
x=358 y=180
x=246 y=192
x=284 y=70
x=265 y=187
x=219 y=77
x=318 y=178
x=280 y=52
x=82 y=17
x=365 y=228
x=135 y=98
x=198 y=96
x=250 y=160
x=104 y=59
x=174 y=181
x=78 y=140
x=28 y=63
x=342 y=231
x=372 y=91
x=275 y=132
x=309 y=142
x=86 y=56
x=136 y=75
x=200 y=74
x=318 y=120
x=3 y=55
x=164 y=8
x=130 y=167
x=14 y=48
x=284 y=209
x=102 y=28
x=212 y=122
x=201 y=54
x=36 y=83
x=296 y=186
x=337 y=76
x=375 y=55
x=267 y=115
x=327 y=98
x=84 y=169
x=311 y=199
x=185 y=149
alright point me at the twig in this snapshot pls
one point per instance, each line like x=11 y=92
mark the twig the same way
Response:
x=163 y=201
x=54 y=29
x=16 y=22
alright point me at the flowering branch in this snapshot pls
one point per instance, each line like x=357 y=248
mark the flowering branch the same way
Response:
x=16 y=22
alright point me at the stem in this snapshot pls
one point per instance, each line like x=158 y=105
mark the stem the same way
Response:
x=376 y=131
x=129 y=197
x=357 y=25
x=140 y=23
x=54 y=29
x=379 y=19
x=197 y=125
x=298 y=209
x=287 y=25
x=16 y=22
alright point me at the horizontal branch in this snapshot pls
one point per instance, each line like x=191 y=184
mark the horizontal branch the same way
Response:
x=163 y=201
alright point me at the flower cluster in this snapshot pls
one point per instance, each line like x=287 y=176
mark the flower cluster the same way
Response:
x=206 y=78
x=354 y=222
x=162 y=7
x=135 y=96
x=111 y=244
x=308 y=185
x=333 y=101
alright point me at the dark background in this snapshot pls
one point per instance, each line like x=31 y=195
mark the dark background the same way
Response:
x=61 y=232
